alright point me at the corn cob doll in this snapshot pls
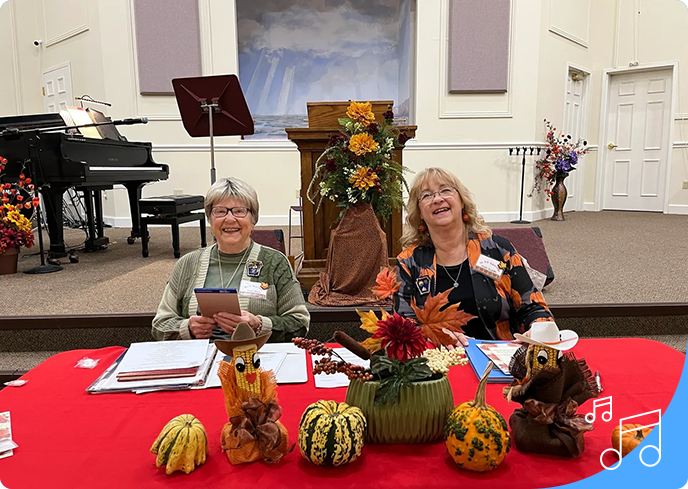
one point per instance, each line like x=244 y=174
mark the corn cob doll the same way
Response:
x=243 y=383
x=550 y=383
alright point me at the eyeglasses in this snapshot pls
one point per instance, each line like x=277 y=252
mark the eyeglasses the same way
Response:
x=220 y=212
x=445 y=192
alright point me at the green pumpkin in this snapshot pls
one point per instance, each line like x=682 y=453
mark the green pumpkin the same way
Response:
x=331 y=433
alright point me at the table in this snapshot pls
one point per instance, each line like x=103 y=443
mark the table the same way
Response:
x=68 y=438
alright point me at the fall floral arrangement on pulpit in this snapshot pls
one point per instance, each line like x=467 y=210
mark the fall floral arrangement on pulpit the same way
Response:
x=15 y=204
x=357 y=166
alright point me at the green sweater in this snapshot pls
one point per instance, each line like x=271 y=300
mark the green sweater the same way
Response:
x=283 y=310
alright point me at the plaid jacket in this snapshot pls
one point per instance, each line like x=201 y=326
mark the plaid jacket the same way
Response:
x=506 y=306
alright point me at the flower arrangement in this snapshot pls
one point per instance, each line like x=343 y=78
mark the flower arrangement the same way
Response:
x=357 y=166
x=15 y=227
x=561 y=158
x=399 y=352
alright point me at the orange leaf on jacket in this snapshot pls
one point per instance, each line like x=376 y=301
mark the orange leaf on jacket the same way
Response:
x=387 y=283
x=433 y=321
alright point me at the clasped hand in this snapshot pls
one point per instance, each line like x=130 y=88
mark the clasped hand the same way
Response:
x=202 y=327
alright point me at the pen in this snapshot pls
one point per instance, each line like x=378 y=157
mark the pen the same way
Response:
x=597 y=379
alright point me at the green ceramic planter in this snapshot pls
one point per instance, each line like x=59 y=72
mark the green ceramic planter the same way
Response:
x=418 y=416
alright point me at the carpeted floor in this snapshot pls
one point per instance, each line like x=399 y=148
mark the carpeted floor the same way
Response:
x=597 y=257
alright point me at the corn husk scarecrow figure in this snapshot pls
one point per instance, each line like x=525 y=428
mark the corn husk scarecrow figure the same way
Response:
x=550 y=383
x=253 y=431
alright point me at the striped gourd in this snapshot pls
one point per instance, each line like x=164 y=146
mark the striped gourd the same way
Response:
x=182 y=444
x=331 y=433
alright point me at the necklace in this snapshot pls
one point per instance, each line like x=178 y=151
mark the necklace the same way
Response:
x=219 y=265
x=456 y=281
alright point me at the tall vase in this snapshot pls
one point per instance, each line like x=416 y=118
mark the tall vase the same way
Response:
x=559 y=194
x=8 y=261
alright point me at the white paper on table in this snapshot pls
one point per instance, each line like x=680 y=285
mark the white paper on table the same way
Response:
x=500 y=354
x=328 y=381
x=268 y=361
x=6 y=435
x=294 y=369
x=164 y=355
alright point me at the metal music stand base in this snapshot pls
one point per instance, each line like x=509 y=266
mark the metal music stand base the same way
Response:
x=520 y=221
x=41 y=269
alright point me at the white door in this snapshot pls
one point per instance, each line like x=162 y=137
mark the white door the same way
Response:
x=637 y=142
x=574 y=117
x=57 y=88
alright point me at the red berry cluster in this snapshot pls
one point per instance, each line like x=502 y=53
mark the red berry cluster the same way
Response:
x=314 y=347
x=327 y=365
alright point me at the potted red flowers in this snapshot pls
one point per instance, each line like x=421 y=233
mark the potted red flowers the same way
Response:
x=15 y=227
x=406 y=401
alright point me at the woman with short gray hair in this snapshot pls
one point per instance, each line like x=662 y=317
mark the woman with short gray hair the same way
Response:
x=269 y=294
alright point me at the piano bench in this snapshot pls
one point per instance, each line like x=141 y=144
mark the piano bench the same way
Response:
x=171 y=210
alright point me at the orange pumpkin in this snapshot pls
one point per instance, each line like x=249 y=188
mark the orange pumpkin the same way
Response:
x=633 y=435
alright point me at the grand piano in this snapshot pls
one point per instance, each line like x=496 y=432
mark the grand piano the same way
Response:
x=65 y=159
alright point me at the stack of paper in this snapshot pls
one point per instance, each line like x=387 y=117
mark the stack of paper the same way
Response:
x=500 y=354
x=6 y=443
x=131 y=371
x=150 y=367
x=479 y=358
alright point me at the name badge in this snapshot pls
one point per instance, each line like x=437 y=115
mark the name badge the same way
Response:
x=489 y=267
x=253 y=268
x=423 y=284
x=252 y=289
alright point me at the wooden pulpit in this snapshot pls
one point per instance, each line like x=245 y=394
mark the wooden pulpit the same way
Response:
x=312 y=140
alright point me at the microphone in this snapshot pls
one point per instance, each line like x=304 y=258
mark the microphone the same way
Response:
x=131 y=121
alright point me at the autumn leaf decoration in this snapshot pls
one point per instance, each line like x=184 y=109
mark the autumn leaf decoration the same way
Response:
x=387 y=283
x=433 y=321
x=369 y=323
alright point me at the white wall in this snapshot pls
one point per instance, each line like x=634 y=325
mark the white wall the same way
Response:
x=468 y=134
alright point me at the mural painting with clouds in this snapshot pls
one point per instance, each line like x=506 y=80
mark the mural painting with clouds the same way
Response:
x=292 y=52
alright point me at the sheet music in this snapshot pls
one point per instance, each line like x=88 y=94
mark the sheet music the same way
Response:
x=80 y=117
x=328 y=381
x=164 y=355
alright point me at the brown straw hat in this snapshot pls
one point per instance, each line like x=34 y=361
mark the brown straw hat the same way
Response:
x=243 y=335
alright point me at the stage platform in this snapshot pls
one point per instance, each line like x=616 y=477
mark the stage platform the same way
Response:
x=616 y=274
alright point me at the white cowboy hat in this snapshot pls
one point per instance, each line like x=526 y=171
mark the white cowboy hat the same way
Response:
x=546 y=333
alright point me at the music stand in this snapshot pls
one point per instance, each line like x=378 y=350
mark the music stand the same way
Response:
x=213 y=106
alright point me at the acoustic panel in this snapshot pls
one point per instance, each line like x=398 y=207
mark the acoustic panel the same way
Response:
x=479 y=46
x=168 y=43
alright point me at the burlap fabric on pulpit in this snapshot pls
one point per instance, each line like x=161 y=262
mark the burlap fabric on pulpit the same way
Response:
x=357 y=252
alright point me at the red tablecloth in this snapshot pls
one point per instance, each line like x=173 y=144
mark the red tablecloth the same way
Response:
x=70 y=439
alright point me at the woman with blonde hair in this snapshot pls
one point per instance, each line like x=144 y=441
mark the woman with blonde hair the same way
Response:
x=448 y=246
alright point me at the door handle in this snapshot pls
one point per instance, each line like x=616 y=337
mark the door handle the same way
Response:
x=612 y=146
